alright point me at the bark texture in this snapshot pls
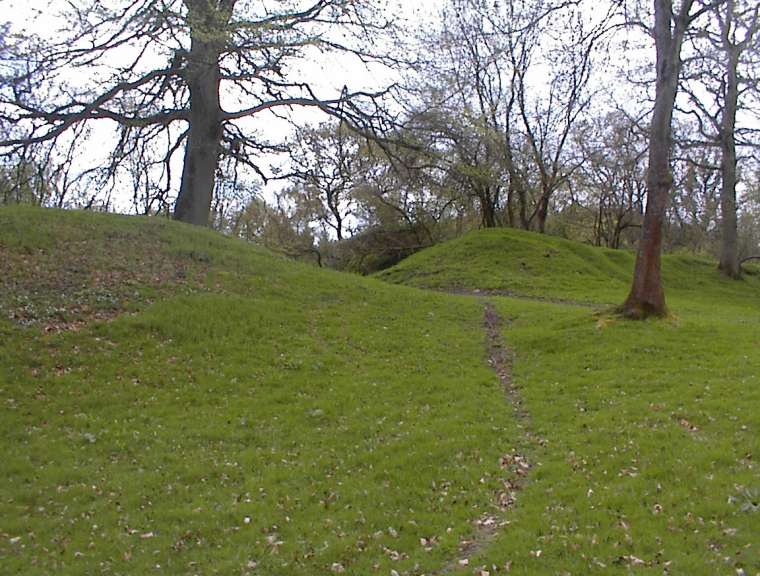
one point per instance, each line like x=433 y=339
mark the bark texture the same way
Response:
x=202 y=75
x=647 y=297
x=729 y=255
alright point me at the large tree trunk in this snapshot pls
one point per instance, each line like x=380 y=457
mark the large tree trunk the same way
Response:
x=729 y=257
x=647 y=297
x=204 y=138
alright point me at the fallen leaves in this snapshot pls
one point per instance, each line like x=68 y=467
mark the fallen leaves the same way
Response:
x=428 y=543
x=516 y=463
x=632 y=561
x=93 y=279
x=684 y=423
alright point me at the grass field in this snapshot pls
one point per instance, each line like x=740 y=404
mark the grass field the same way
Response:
x=178 y=402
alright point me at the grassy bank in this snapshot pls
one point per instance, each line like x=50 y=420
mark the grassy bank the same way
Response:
x=178 y=402
x=237 y=414
x=646 y=434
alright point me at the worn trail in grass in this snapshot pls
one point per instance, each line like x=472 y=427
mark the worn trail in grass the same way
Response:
x=261 y=417
x=230 y=412
x=651 y=429
x=515 y=465
x=652 y=439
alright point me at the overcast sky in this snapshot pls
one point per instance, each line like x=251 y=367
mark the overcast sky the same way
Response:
x=327 y=75
x=330 y=75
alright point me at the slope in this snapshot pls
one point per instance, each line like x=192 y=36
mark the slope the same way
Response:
x=178 y=402
x=520 y=263
x=645 y=434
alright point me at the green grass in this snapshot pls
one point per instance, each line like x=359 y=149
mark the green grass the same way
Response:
x=651 y=436
x=523 y=263
x=346 y=419
x=178 y=402
x=649 y=431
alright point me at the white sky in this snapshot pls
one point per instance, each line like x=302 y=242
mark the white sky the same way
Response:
x=328 y=76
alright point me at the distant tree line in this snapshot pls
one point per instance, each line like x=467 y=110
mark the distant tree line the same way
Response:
x=625 y=124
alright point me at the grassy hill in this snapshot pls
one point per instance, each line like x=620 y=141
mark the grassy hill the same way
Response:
x=178 y=402
x=515 y=262
x=175 y=399
x=646 y=433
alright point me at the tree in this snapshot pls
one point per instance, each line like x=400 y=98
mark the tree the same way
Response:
x=190 y=75
x=749 y=219
x=694 y=207
x=277 y=228
x=549 y=121
x=327 y=165
x=505 y=126
x=465 y=98
x=723 y=72
x=610 y=182
x=647 y=297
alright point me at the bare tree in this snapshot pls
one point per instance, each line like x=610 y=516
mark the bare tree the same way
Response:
x=693 y=214
x=466 y=97
x=507 y=138
x=610 y=183
x=183 y=75
x=721 y=72
x=548 y=122
x=647 y=297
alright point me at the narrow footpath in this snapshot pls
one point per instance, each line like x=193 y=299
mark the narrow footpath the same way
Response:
x=514 y=465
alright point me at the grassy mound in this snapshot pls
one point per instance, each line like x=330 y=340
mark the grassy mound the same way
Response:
x=528 y=264
x=646 y=434
x=178 y=402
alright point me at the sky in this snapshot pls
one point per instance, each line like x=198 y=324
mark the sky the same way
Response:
x=327 y=75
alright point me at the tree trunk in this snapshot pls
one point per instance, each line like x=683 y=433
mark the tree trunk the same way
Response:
x=647 y=297
x=599 y=223
x=510 y=206
x=204 y=138
x=729 y=257
x=615 y=244
x=333 y=206
x=522 y=198
x=487 y=209
x=542 y=213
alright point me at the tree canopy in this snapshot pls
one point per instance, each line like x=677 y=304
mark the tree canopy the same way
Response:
x=631 y=124
x=183 y=77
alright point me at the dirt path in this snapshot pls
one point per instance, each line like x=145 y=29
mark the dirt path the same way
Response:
x=515 y=466
x=520 y=296
x=499 y=358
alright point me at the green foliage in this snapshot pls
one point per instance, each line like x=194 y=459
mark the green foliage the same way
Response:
x=23 y=183
x=375 y=249
x=276 y=228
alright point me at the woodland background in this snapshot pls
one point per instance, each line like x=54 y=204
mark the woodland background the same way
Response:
x=463 y=114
